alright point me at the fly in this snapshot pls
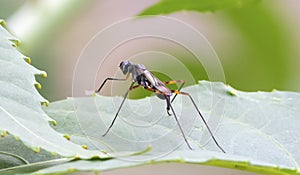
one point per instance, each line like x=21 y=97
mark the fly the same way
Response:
x=141 y=77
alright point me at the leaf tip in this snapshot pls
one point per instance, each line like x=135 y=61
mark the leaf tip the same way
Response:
x=231 y=92
x=2 y=23
x=67 y=136
x=104 y=151
x=15 y=42
x=27 y=59
x=84 y=146
x=97 y=156
x=54 y=123
x=36 y=149
x=46 y=103
x=38 y=85
x=44 y=74
x=76 y=156
x=274 y=90
x=3 y=133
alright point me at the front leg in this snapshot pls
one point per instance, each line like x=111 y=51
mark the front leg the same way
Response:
x=109 y=78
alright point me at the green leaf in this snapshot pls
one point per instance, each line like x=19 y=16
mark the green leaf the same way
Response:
x=20 y=105
x=16 y=158
x=170 y=6
x=258 y=130
x=18 y=154
x=32 y=167
x=182 y=157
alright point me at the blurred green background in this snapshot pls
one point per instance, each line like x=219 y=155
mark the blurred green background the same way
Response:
x=256 y=44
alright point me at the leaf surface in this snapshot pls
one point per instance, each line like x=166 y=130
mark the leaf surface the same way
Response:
x=258 y=130
x=21 y=113
x=170 y=6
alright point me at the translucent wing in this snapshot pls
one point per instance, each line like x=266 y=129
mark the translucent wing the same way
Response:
x=157 y=84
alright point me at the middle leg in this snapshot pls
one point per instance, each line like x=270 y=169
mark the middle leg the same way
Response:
x=169 y=105
x=175 y=82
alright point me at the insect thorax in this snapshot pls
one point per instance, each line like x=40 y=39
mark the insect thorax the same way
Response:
x=142 y=80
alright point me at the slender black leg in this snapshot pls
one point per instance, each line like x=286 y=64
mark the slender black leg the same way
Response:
x=206 y=124
x=174 y=82
x=118 y=79
x=126 y=94
x=187 y=94
x=182 y=84
x=181 y=130
x=169 y=106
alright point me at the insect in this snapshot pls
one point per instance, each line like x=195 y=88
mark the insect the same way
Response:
x=141 y=77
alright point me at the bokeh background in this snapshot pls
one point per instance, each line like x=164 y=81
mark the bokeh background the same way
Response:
x=258 y=45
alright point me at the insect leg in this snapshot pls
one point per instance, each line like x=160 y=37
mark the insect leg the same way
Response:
x=181 y=130
x=175 y=82
x=112 y=123
x=187 y=94
x=170 y=106
x=117 y=79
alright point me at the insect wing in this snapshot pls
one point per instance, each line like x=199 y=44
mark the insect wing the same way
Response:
x=157 y=84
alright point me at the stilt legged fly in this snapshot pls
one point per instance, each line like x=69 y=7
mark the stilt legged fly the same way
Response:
x=141 y=77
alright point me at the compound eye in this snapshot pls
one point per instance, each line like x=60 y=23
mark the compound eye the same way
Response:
x=121 y=63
